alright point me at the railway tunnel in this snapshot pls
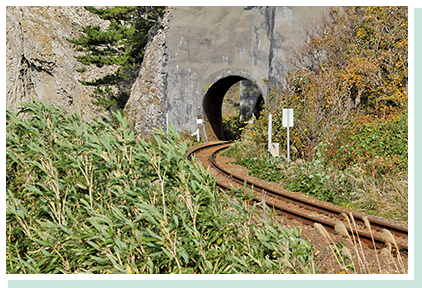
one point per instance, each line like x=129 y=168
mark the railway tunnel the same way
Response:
x=251 y=100
x=200 y=52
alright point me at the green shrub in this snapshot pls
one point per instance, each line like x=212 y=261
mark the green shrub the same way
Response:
x=377 y=146
x=233 y=126
x=385 y=196
x=91 y=198
x=309 y=178
x=314 y=179
x=262 y=167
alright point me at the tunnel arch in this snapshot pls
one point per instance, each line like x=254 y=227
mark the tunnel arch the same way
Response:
x=212 y=105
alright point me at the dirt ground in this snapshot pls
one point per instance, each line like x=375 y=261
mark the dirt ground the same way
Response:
x=365 y=260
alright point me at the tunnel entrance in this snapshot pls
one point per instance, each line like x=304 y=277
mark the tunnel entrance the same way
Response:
x=250 y=103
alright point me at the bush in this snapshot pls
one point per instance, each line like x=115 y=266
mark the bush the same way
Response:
x=311 y=178
x=91 y=198
x=378 y=146
x=351 y=188
x=262 y=167
x=233 y=126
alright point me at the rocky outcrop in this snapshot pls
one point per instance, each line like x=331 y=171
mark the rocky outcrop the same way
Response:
x=40 y=62
x=145 y=107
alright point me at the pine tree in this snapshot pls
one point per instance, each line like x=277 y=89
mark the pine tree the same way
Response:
x=121 y=44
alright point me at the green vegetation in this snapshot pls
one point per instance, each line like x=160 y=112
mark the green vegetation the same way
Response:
x=349 y=91
x=231 y=101
x=92 y=198
x=364 y=168
x=233 y=126
x=230 y=110
x=121 y=45
x=310 y=178
x=377 y=145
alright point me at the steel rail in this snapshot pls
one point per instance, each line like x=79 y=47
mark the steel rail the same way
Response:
x=305 y=208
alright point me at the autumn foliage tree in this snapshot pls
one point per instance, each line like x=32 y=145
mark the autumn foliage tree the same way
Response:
x=367 y=47
x=353 y=63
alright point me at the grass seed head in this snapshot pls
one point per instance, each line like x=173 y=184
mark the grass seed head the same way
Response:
x=388 y=237
x=351 y=217
x=347 y=253
x=385 y=255
x=286 y=262
x=320 y=229
x=341 y=229
x=346 y=217
x=366 y=221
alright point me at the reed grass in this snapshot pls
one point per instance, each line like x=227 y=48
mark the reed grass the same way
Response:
x=93 y=198
x=389 y=239
x=364 y=267
x=331 y=244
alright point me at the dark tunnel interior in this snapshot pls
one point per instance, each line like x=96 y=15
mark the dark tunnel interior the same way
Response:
x=212 y=104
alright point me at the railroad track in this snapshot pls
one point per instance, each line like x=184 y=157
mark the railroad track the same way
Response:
x=306 y=211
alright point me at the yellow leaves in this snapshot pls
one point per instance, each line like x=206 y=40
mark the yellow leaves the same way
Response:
x=364 y=58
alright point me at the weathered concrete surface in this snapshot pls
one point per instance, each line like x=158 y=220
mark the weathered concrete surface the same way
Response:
x=40 y=62
x=207 y=49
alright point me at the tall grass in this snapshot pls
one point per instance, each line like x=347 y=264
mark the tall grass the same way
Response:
x=92 y=198
x=355 y=261
x=372 y=194
x=364 y=167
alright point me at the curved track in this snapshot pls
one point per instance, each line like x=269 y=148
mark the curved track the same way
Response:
x=303 y=210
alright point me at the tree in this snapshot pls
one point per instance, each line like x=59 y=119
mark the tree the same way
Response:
x=121 y=44
x=354 y=62
x=368 y=48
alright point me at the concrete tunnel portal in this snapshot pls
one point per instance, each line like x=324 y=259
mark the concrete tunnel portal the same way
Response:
x=200 y=51
x=251 y=97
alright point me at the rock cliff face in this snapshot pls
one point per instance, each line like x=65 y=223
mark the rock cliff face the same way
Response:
x=40 y=62
x=145 y=106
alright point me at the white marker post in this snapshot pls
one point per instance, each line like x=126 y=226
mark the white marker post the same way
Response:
x=199 y=121
x=288 y=122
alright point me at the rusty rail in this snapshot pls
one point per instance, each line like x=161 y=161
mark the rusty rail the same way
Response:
x=308 y=212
